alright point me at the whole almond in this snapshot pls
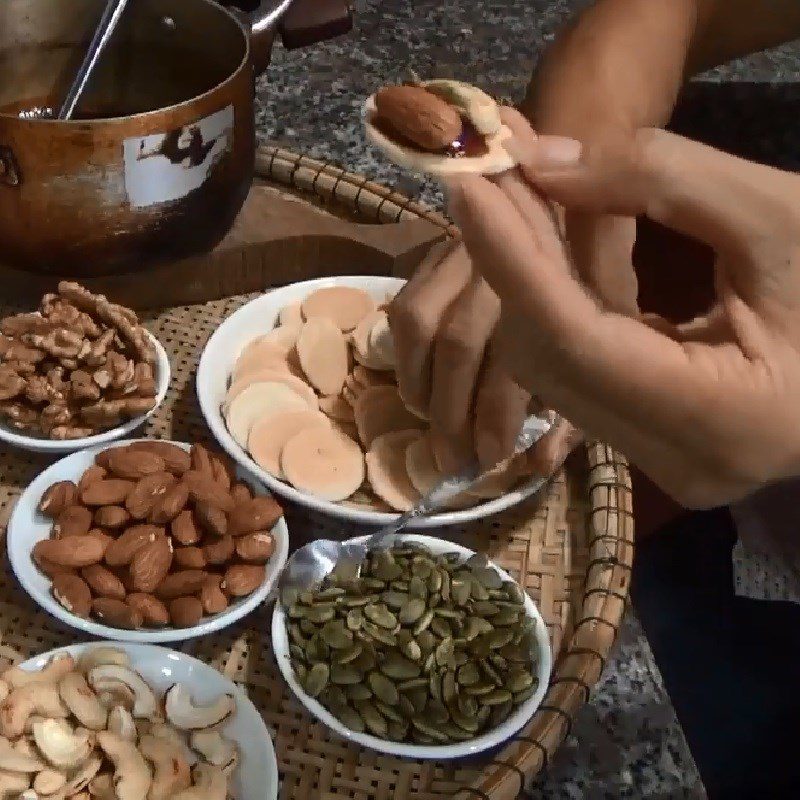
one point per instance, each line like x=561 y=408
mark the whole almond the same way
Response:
x=153 y=611
x=58 y=497
x=213 y=599
x=73 y=593
x=122 y=550
x=103 y=582
x=187 y=581
x=176 y=459
x=107 y=492
x=201 y=460
x=150 y=565
x=102 y=537
x=210 y=518
x=147 y=493
x=419 y=116
x=241 y=494
x=48 y=568
x=223 y=471
x=117 y=613
x=255 y=547
x=206 y=489
x=124 y=462
x=170 y=504
x=92 y=475
x=112 y=517
x=73 y=521
x=184 y=612
x=242 y=579
x=184 y=529
x=260 y=514
x=220 y=551
x=75 y=551
x=189 y=558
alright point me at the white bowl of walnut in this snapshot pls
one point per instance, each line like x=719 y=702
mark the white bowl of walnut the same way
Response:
x=141 y=549
x=79 y=372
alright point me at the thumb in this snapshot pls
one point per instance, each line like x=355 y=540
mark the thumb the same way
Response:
x=724 y=201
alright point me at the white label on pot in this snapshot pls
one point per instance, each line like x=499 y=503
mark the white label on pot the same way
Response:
x=167 y=166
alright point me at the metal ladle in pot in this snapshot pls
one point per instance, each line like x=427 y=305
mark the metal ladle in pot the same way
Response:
x=102 y=35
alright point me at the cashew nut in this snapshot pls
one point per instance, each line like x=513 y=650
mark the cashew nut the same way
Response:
x=132 y=777
x=216 y=749
x=12 y=783
x=102 y=656
x=62 y=746
x=114 y=693
x=171 y=768
x=30 y=699
x=16 y=677
x=49 y=781
x=121 y=723
x=82 y=701
x=12 y=760
x=184 y=715
x=81 y=779
x=145 y=704
x=209 y=784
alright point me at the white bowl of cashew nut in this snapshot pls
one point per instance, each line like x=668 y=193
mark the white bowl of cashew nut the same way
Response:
x=129 y=722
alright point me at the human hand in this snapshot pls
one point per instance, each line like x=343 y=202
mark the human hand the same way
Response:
x=708 y=410
x=442 y=323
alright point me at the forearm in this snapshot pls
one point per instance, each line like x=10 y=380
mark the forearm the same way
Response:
x=621 y=63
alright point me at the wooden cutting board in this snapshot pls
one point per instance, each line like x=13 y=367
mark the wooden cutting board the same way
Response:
x=303 y=219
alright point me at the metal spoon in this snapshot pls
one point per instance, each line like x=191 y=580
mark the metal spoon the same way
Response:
x=102 y=36
x=312 y=562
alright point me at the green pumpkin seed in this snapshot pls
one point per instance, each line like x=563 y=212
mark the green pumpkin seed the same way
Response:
x=435 y=686
x=296 y=635
x=394 y=599
x=441 y=627
x=467 y=705
x=336 y=636
x=499 y=637
x=391 y=713
x=460 y=591
x=426 y=640
x=483 y=715
x=420 y=738
x=398 y=667
x=366 y=661
x=356 y=602
x=513 y=652
x=332 y=696
x=412 y=610
x=519 y=680
x=297 y=652
x=485 y=608
x=382 y=688
x=490 y=672
x=457 y=734
x=488 y=577
x=444 y=590
x=317 y=650
x=379 y=634
x=449 y=686
x=397 y=731
x=423 y=622
x=344 y=674
x=475 y=626
x=430 y=663
x=444 y=653
x=411 y=650
x=435 y=581
x=469 y=675
x=317 y=679
x=480 y=688
x=357 y=691
x=350 y=718
x=348 y=655
x=296 y=612
x=373 y=583
x=381 y=616
x=354 y=619
x=300 y=671
x=506 y=616
x=418 y=588
x=436 y=712
x=375 y=722
x=429 y=730
x=319 y=614
x=464 y=722
x=479 y=592
x=495 y=697
x=414 y=683
x=419 y=699
x=525 y=695
x=500 y=713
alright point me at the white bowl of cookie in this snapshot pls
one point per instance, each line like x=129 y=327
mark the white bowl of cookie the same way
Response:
x=298 y=386
x=78 y=372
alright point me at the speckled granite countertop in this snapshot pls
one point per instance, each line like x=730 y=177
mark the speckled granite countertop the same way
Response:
x=627 y=741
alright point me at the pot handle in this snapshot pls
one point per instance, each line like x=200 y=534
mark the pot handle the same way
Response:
x=299 y=23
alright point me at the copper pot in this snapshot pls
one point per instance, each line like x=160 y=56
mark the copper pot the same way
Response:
x=161 y=158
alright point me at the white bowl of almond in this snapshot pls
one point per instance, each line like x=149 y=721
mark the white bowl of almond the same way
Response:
x=299 y=387
x=147 y=541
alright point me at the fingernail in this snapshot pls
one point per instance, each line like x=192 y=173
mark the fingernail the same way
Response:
x=550 y=153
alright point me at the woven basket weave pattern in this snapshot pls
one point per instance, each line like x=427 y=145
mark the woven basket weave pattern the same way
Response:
x=571 y=548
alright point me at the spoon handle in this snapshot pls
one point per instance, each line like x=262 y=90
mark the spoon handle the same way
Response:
x=102 y=36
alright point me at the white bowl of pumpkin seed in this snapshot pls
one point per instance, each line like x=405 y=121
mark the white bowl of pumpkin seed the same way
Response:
x=432 y=652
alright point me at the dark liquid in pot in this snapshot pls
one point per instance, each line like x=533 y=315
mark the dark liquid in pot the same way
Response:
x=130 y=83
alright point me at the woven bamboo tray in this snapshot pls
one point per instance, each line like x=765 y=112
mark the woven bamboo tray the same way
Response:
x=571 y=548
